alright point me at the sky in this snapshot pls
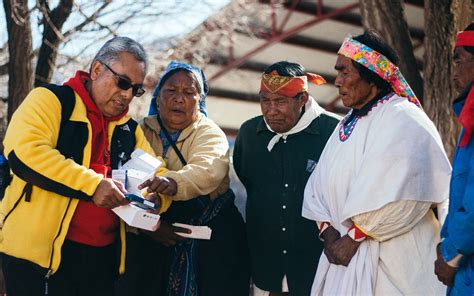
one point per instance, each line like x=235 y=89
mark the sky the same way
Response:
x=154 y=20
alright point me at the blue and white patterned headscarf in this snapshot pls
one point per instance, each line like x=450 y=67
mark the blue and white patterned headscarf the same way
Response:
x=172 y=68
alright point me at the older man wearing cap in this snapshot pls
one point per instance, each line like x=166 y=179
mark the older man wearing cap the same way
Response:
x=377 y=179
x=274 y=155
x=454 y=266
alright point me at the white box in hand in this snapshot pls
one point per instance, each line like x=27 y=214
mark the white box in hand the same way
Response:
x=137 y=217
x=139 y=168
x=134 y=172
x=142 y=161
x=131 y=178
x=197 y=232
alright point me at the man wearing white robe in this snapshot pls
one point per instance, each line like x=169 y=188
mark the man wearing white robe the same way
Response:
x=383 y=169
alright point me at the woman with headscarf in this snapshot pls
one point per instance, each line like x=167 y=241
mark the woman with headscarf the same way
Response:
x=196 y=153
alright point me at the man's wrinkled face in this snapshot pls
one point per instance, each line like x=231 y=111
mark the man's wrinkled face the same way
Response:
x=463 y=72
x=354 y=91
x=280 y=112
x=105 y=91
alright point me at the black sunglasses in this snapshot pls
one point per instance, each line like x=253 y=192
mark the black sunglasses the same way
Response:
x=124 y=83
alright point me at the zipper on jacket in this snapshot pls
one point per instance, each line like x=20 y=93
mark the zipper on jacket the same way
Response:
x=26 y=189
x=46 y=281
x=50 y=270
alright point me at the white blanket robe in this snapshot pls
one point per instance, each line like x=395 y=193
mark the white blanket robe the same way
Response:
x=393 y=156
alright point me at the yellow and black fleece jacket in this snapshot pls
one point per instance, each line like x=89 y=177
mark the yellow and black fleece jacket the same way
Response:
x=49 y=158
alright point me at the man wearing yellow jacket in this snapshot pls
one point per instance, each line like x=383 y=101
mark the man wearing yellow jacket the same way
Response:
x=59 y=235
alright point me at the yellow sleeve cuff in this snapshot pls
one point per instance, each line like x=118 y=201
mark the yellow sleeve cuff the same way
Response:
x=161 y=171
x=165 y=203
x=165 y=200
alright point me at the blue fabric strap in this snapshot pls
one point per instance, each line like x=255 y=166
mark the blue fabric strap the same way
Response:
x=164 y=141
x=183 y=275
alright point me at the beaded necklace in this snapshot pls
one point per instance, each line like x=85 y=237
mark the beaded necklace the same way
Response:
x=347 y=127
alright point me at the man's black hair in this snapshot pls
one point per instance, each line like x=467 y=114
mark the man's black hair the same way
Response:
x=287 y=69
x=374 y=41
x=469 y=49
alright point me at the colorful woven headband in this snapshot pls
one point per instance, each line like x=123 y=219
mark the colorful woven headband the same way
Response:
x=465 y=38
x=380 y=65
x=288 y=86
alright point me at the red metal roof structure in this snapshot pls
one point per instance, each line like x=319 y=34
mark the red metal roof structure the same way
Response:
x=239 y=42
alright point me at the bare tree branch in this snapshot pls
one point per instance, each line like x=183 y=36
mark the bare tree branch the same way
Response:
x=48 y=14
x=88 y=19
x=75 y=58
x=53 y=22
x=100 y=19
x=18 y=15
x=126 y=19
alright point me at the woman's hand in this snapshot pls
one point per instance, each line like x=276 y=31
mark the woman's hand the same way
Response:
x=167 y=235
x=163 y=185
